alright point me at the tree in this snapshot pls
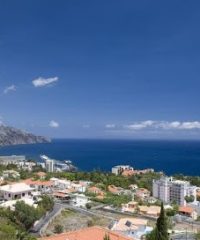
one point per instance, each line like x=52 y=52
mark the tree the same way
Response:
x=88 y=205
x=189 y=199
x=106 y=237
x=7 y=232
x=58 y=228
x=160 y=232
x=161 y=225
x=25 y=215
x=197 y=237
x=46 y=203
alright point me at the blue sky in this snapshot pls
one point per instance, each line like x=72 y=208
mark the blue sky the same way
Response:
x=109 y=69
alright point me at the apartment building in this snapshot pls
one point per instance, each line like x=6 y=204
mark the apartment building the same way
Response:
x=49 y=165
x=170 y=190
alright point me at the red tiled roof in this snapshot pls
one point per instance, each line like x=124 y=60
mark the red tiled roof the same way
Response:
x=91 y=233
x=38 y=182
x=186 y=209
x=113 y=189
x=95 y=190
x=41 y=174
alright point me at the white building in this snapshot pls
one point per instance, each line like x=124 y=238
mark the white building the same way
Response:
x=61 y=183
x=10 y=174
x=170 y=190
x=49 y=165
x=132 y=227
x=120 y=168
x=80 y=200
x=15 y=191
x=13 y=159
x=78 y=187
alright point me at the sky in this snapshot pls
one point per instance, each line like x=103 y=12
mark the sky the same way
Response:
x=101 y=69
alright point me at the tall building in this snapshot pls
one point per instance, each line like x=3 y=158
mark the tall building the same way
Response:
x=170 y=190
x=49 y=165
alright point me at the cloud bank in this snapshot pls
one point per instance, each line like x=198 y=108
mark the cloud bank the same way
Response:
x=156 y=125
x=42 y=82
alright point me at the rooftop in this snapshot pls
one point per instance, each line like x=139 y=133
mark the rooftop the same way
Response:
x=38 y=182
x=186 y=209
x=91 y=233
x=16 y=187
x=125 y=224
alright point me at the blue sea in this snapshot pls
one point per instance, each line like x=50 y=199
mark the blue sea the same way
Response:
x=168 y=156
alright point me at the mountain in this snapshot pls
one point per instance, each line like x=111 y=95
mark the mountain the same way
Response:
x=13 y=136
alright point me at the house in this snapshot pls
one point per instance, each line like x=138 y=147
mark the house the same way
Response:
x=133 y=187
x=115 y=190
x=91 y=233
x=78 y=187
x=85 y=183
x=151 y=200
x=95 y=190
x=130 y=207
x=40 y=185
x=126 y=170
x=80 y=200
x=26 y=165
x=188 y=211
x=132 y=227
x=153 y=211
x=41 y=175
x=117 y=170
x=142 y=193
x=62 y=195
x=15 y=191
x=7 y=174
x=60 y=183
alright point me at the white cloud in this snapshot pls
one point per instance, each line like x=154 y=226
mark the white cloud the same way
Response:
x=168 y=125
x=190 y=125
x=180 y=125
x=54 y=124
x=139 y=125
x=42 y=82
x=163 y=125
x=9 y=89
x=110 y=126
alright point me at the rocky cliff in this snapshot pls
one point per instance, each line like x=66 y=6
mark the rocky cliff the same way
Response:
x=13 y=136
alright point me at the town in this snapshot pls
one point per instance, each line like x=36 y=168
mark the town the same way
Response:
x=52 y=204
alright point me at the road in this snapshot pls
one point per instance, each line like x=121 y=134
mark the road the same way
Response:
x=183 y=236
x=83 y=211
x=37 y=228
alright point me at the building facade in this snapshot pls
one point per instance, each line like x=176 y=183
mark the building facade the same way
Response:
x=169 y=190
x=13 y=159
x=121 y=168
x=49 y=165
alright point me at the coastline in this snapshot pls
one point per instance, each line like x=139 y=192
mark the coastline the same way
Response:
x=172 y=157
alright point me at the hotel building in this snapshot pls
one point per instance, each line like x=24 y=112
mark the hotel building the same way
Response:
x=169 y=190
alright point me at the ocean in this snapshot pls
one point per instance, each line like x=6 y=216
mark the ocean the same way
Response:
x=168 y=156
